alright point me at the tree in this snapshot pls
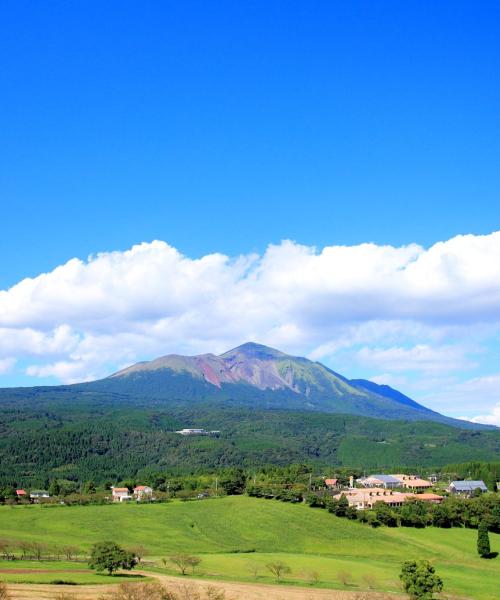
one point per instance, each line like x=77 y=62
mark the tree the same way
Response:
x=139 y=551
x=342 y=507
x=385 y=514
x=89 y=487
x=278 y=569
x=54 y=488
x=4 y=594
x=419 y=579
x=184 y=561
x=233 y=482
x=344 y=577
x=108 y=556
x=70 y=552
x=483 y=540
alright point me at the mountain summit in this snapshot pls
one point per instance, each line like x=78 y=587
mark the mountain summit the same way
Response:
x=254 y=375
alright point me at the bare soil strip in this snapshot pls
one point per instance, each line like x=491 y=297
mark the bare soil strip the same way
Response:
x=234 y=590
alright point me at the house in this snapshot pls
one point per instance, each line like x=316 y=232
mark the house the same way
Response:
x=467 y=488
x=143 y=492
x=21 y=493
x=414 y=483
x=379 y=480
x=120 y=494
x=332 y=484
x=36 y=495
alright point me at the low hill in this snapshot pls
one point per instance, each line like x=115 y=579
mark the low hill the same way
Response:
x=56 y=433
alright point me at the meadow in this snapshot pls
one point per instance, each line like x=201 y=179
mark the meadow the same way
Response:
x=236 y=537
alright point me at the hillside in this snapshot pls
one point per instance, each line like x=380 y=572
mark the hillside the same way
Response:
x=253 y=375
x=240 y=535
x=57 y=434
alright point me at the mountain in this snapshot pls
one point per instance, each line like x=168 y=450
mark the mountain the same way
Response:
x=270 y=408
x=253 y=375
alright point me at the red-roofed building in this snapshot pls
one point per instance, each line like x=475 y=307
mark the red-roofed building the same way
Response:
x=332 y=484
x=21 y=493
x=143 y=492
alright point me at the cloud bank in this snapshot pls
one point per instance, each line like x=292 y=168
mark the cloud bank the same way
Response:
x=392 y=310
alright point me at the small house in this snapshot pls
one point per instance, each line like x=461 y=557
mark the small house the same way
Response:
x=467 y=488
x=379 y=480
x=120 y=494
x=143 y=492
x=332 y=484
x=21 y=493
x=37 y=495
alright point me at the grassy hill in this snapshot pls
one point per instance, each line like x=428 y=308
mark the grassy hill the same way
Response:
x=237 y=536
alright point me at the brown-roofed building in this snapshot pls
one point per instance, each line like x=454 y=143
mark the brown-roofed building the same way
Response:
x=414 y=483
x=363 y=499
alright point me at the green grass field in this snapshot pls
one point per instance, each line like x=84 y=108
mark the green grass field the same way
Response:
x=44 y=571
x=237 y=536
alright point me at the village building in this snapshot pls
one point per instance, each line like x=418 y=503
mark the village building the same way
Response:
x=413 y=482
x=365 y=498
x=120 y=494
x=21 y=493
x=36 y=495
x=467 y=488
x=143 y=492
x=332 y=484
x=379 y=480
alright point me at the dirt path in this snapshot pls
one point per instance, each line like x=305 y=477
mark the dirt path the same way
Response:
x=234 y=590
x=265 y=591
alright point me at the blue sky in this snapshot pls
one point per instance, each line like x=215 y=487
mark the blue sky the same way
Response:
x=227 y=127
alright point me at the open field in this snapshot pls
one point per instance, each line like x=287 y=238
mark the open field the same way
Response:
x=236 y=537
x=28 y=571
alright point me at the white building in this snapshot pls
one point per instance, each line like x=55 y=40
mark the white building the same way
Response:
x=120 y=494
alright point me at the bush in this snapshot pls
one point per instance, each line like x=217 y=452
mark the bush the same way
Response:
x=419 y=579
x=157 y=591
x=4 y=594
x=483 y=540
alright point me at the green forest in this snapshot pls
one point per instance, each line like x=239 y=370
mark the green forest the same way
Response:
x=102 y=437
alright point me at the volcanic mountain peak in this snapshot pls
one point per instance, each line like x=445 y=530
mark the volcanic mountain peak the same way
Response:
x=254 y=350
x=255 y=375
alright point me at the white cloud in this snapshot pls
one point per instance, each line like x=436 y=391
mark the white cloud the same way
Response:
x=6 y=365
x=395 y=310
x=422 y=357
x=493 y=418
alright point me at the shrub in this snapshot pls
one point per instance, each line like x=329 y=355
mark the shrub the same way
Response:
x=419 y=579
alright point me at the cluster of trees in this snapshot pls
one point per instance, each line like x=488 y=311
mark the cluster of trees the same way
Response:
x=24 y=550
x=452 y=512
x=59 y=433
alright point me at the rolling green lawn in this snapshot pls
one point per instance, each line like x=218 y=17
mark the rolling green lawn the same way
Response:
x=237 y=536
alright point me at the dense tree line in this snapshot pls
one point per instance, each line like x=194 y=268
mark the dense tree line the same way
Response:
x=57 y=435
